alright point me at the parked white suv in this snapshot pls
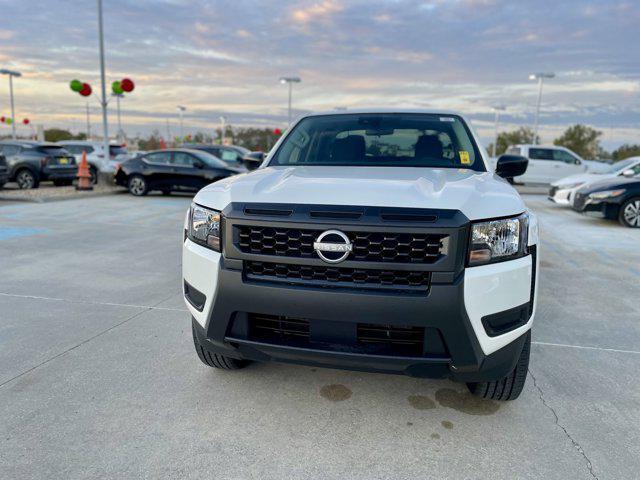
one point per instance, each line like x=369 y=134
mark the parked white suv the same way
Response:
x=368 y=241
x=98 y=161
x=548 y=163
x=563 y=191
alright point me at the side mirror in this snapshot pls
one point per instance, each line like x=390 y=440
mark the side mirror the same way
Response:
x=198 y=164
x=628 y=173
x=510 y=166
x=253 y=160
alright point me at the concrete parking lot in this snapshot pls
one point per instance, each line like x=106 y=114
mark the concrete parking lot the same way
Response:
x=99 y=379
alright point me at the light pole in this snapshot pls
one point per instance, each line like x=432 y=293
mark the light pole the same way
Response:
x=540 y=77
x=103 y=102
x=497 y=109
x=11 y=73
x=290 y=81
x=88 y=123
x=118 y=97
x=181 y=110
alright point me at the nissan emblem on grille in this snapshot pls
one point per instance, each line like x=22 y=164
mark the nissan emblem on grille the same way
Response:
x=333 y=246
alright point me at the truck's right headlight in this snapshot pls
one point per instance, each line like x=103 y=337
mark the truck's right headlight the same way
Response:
x=498 y=240
x=204 y=227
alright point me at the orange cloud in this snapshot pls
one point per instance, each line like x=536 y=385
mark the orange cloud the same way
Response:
x=316 y=11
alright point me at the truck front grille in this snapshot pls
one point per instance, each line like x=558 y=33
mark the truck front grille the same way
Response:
x=278 y=328
x=332 y=277
x=408 y=340
x=391 y=247
x=365 y=338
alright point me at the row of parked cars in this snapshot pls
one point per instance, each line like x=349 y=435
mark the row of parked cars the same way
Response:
x=598 y=189
x=613 y=194
x=29 y=162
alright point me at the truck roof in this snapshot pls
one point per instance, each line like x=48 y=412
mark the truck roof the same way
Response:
x=360 y=111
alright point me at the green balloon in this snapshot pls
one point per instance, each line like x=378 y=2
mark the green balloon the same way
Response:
x=76 y=85
x=117 y=88
x=9 y=121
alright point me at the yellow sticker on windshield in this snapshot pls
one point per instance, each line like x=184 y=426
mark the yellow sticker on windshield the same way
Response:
x=464 y=158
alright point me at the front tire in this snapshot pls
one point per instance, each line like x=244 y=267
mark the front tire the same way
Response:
x=26 y=179
x=630 y=213
x=216 y=360
x=137 y=185
x=509 y=387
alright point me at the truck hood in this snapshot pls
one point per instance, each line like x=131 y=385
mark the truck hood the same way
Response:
x=478 y=195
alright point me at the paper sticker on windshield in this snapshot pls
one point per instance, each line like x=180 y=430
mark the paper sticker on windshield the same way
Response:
x=447 y=119
x=464 y=157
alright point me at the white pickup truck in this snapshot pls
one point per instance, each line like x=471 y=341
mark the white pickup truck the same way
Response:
x=548 y=163
x=369 y=240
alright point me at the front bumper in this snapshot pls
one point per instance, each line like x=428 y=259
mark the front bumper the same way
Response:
x=603 y=208
x=456 y=345
x=561 y=196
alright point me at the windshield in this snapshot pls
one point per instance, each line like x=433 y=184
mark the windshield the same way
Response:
x=53 y=150
x=385 y=140
x=209 y=159
x=117 y=150
x=621 y=165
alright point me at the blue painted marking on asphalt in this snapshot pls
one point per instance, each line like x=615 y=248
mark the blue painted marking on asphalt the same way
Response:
x=17 y=232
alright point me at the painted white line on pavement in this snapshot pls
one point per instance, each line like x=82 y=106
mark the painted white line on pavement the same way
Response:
x=111 y=304
x=88 y=302
x=547 y=344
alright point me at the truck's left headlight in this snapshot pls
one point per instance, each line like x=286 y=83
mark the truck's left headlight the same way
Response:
x=204 y=227
x=498 y=240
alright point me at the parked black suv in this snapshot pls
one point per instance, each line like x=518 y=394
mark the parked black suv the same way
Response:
x=30 y=162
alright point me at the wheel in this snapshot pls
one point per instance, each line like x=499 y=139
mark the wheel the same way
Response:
x=93 y=175
x=62 y=183
x=215 y=360
x=26 y=179
x=166 y=192
x=509 y=387
x=138 y=185
x=630 y=213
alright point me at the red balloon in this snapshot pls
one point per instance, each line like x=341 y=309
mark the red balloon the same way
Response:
x=127 y=85
x=25 y=121
x=2 y=119
x=86 y=90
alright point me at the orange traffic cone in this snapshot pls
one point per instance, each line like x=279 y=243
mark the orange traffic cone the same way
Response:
x=84 y=177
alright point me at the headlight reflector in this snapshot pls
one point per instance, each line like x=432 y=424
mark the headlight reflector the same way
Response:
x=498 y=240
x=606 y=194
x=204 y=227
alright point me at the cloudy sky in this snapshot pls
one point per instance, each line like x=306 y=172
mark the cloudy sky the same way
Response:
x=225 y=58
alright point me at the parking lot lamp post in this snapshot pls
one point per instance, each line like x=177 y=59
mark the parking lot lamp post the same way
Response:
x=181 y=110
x=11 y=73
x=88 y=123
x=103 y=101
x=118 y=97
x=497 y=109
x=290 y=81
x=540 y=77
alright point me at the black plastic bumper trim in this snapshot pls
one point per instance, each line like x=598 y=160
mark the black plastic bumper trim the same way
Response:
x=195 y=297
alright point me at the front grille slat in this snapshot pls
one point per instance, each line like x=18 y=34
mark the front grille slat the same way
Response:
x=368 y=338
x=424 y=248
x=337 y=276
